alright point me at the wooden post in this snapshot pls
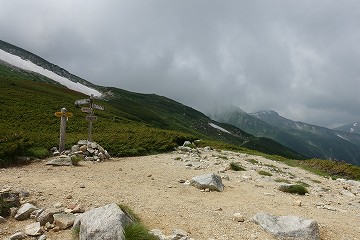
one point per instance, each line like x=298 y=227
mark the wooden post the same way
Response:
x=91 y=115
x=62 y=130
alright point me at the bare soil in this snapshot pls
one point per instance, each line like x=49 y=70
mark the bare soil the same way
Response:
x=150 y=186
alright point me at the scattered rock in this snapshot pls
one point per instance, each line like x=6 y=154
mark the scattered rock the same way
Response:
x=25 y=211
x=2 y=220
x=33 y=229
x=64 y=220
x=42 y=237
x=210 y=181
x=353 y=183
x=105 y=223
x=157 y=233
x=238 y=217
x=347 y=193
x=179 y=234
x=47 y=216
x=17 y=236
x=58 y=205
x=36 y=213
x=288 y=227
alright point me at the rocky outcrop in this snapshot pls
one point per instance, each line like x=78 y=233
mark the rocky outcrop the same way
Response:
x=288 y=227
x=210 y=181
x=105 y=223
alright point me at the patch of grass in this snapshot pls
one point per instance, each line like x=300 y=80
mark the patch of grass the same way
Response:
x=130 y=213
x=38 y=152
x=253 y=161
x=137 y=231
x=292 y=176
x=264 y=173
x=294 y=189
x=75 y=160
x=282 y=180
x=303 y=183
x=4 y=208
x=315 y=181
x=331 y=168
x=274 y=168
x=75 y=232
x=236 y=167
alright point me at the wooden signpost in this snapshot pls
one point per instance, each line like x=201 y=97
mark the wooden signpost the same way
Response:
x=90 y=117
x=64 y=115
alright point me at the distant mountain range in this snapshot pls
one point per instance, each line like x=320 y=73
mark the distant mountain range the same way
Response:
x=131 y=124
x=310 y=140
x=350 y=128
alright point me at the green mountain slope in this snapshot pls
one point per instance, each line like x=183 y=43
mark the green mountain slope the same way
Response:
x=131 y=124
x=309 y=140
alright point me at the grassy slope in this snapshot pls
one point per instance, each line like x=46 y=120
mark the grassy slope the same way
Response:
x=132 y=123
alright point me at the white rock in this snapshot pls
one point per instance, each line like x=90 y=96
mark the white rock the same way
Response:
x=288 y=227
x=33 y=229
x=105 y=223
x=64 y=220
x=2 y=220
x=347 y=193
x=210 y=181
x=238 y=217
x=24 y=211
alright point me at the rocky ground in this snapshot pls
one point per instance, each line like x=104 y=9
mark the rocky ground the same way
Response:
x=156 y=188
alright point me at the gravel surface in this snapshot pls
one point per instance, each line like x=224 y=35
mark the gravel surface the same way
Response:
x=153 y=186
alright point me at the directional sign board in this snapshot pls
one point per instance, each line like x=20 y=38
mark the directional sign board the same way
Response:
x=97 y=106
x=82 y=101
x=91 y=118
x=59 y=114
x=65 y=114
x=86 y=110
x=89 y=110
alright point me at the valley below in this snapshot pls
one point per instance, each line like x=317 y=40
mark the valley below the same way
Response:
x=156 y=188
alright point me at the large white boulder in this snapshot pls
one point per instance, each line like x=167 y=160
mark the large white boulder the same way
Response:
x=288 y=227
x=106 y=223
x=210 y=181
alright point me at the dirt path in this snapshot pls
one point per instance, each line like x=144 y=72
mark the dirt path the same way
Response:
x=150 y=186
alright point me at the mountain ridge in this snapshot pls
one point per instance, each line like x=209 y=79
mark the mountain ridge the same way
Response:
x=310 y=140
x=129 y=118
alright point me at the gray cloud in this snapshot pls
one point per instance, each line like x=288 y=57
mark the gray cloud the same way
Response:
x=299 y=58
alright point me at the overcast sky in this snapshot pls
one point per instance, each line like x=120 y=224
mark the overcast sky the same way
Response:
x=299 y=58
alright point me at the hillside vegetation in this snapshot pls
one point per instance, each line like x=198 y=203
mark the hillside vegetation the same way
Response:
x=131 y=124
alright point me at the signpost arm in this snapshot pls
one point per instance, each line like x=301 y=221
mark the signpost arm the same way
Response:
x=62 y=130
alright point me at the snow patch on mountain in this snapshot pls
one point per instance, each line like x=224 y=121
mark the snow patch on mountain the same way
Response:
x=341 y=137
x=218 y=127
x=29 y=66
